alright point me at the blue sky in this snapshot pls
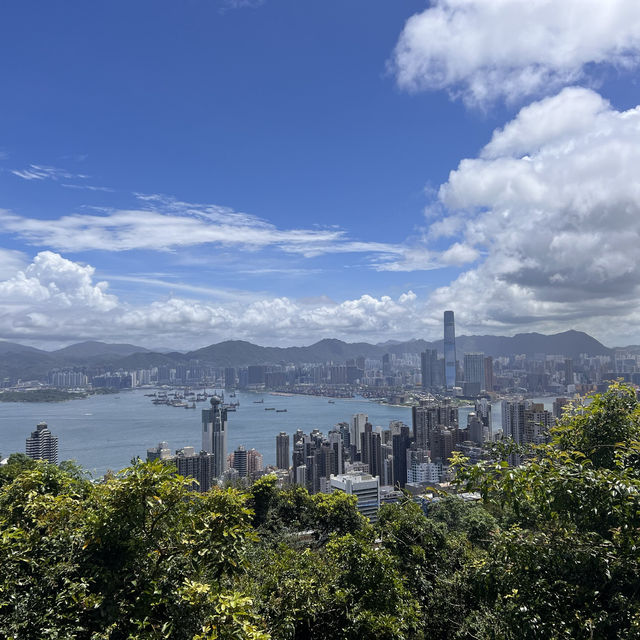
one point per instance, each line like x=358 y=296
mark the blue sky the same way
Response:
x=180 y=173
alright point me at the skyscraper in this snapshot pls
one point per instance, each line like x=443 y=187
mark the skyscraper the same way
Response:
x=429 y=369
x=240 y=461
x=474 y=373
x=282 y=450
x=358 y=421
x=214 y=434
x=449 y=350
x=42 y=445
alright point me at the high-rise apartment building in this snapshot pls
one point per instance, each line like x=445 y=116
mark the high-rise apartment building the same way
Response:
x=282 y=450
x=449 y=350
x=199 y=466
x=526 y=423
x=214 y=434
x=568 y=371
x=161 y=452
x=255 y=462
x=42 y=444
x=371 y=450
x=357 y=429
x=240 y=461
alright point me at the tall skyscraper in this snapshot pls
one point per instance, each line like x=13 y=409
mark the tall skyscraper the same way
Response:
x=372 y=450
x=282 y=450
x=214 y=434
x=568 y=371
x=488 y=373
x=449 y=350
x=357 y=429
x=429 y=369
x=42 y=445
x=400 y=441
x=474 y=377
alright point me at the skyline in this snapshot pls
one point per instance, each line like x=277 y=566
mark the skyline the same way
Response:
x=279 y=174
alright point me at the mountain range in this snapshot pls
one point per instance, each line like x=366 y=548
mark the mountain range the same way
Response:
x=20 y=361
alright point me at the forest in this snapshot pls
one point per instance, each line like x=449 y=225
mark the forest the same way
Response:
x=550 y=551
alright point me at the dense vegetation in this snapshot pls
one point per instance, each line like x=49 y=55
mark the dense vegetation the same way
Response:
x=550 y=552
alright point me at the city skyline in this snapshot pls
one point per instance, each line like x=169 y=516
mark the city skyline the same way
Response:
x=282 y=173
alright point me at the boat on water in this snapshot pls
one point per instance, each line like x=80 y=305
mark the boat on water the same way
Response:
x=281 y=411
x=269 y=408
x=332 y=401
x=261 y=401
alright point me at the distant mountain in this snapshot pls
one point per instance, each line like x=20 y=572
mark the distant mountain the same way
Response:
x=568 y=343
x=92 y=348
x=26 y=362
x=14 y=347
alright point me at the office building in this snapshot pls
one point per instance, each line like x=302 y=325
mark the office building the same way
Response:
x=282 y=450
x=229 y=378
x=474 y=373
x=365 y=487
x=488 y=374
x=449 y=350
x=429 y=368
x=214 y=434
x=42 y=444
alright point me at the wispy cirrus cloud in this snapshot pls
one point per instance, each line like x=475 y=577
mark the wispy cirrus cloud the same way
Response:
x=41 y=172
x=167 y=224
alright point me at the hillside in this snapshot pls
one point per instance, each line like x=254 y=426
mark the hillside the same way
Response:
x=26 y=362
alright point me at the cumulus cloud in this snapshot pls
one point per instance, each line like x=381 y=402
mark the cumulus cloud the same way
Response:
x=55 y=282
x=56 y=299
x=553 y=202
x=482 y=50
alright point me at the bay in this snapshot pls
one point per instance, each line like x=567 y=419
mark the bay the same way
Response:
x=106 y=432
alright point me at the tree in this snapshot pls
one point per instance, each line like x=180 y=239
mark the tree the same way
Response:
x=567 y=566
x=139 y=556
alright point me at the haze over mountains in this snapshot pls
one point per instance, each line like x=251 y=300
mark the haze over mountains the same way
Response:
x=18 y=360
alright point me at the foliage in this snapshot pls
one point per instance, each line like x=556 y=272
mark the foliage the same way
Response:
x=140 y=556
x=551 y=550
x=567 y=566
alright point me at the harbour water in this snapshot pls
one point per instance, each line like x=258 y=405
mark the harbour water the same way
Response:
x=105 y=432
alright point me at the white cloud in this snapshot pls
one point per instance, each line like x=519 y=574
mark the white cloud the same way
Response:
x=168 y=224
x=482 y=50
x=54 y=282
x=553 y=203
x=10 y=262
x=42 y=172
x=55 y=299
